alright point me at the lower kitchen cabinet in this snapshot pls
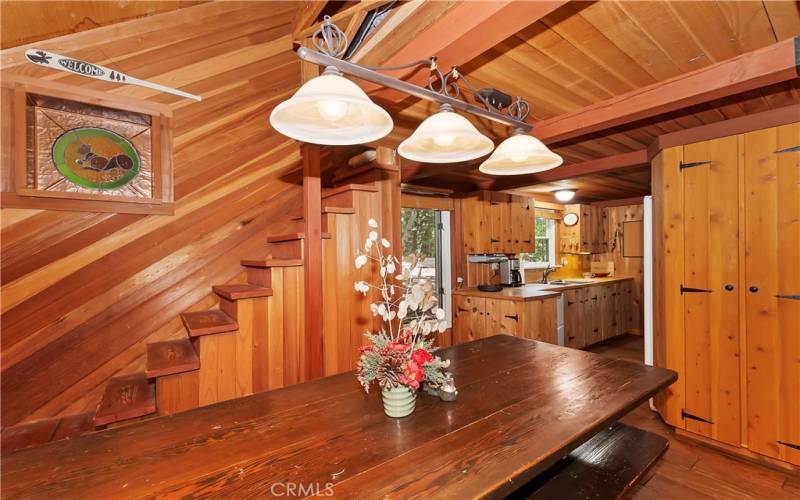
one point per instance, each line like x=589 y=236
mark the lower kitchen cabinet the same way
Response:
x=469 y=318
x=597 y=312
x=479 y=317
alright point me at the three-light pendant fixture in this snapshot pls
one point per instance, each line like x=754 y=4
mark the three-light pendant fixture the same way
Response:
x=332 y=110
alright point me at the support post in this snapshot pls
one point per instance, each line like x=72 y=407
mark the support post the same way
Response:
x=312 y=260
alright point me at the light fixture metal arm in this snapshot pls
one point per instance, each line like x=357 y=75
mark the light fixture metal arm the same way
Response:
x=369 y=75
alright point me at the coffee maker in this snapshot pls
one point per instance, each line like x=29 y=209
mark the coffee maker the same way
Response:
x=511 y=273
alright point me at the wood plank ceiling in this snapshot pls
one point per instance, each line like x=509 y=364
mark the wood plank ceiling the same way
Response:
x=586 y=52
x=57 y=18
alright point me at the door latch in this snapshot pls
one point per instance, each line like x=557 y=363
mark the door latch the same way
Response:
x=685 y=415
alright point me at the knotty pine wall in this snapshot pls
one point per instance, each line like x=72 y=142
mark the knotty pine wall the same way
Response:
x=82 y=293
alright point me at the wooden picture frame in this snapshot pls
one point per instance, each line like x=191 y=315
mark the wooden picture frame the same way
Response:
x=15 y=192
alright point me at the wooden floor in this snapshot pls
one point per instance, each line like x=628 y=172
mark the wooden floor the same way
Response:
x=688 y=470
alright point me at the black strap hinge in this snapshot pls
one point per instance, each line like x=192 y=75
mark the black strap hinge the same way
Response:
x=693 y=290
x=514 y=317
x=685 y=415
x=792 y=149
x=694 y=164
x=790 y=445
x=790 y=297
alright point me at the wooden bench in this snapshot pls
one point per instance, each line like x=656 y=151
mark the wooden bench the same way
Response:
x=606 y=467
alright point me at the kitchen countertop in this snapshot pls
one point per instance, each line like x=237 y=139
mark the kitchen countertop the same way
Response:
x=535 y=291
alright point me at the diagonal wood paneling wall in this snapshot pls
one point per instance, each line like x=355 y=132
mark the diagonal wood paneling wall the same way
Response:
x=82 y=293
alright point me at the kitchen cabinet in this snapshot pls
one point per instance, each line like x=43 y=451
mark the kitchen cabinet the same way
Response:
x=469 y=318
x=478 y=317
x=588 y=235
x=727 y=288
x=494 y=222
x=523 y=214
x=597 y=312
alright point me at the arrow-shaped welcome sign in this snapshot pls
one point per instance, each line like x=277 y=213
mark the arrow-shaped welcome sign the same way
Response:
x=83 y=68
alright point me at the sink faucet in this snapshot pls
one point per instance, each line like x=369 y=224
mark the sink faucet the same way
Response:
x=546 y=273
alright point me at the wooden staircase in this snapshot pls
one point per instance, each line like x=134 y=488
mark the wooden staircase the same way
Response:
x=194 y=371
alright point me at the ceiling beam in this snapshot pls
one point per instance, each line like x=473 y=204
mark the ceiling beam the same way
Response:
x=598 y=166
x=766 y=66
x=464 y=31
x=307 y=13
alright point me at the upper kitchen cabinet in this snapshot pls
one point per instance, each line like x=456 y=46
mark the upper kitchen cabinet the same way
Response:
x=494 y=222
x=583 y=230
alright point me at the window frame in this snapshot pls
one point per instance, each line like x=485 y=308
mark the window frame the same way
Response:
x=551 y=245
x=443 y=260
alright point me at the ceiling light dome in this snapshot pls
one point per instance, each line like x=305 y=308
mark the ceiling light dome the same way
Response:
x=331 y=110
x=520 y=154
x=445 y=137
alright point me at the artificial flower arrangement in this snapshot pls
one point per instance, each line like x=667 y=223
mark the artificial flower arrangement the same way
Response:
x=400 y=356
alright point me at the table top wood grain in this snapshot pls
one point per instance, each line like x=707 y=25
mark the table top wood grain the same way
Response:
x=522 y=405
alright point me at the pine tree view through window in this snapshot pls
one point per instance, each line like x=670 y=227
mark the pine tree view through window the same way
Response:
x=422 y=236
x=544 y=250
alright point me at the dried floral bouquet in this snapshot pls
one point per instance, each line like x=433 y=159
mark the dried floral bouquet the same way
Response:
x=400 y=354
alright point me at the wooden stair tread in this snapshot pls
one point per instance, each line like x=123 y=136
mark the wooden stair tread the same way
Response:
x=241 y=291
x=46 y=430
x=291 y=237
x=128 y=396
x=348 y=187
x=171 y=357
x=268 y=262
x=208 y=322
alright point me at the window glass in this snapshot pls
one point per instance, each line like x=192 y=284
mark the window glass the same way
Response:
x=421 y=229
x=544 y=248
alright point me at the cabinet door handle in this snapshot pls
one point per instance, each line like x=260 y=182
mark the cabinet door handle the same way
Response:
x=753 y=289
x=514 y=317
x=729 y=287
x=492 y=240
x=790 y=297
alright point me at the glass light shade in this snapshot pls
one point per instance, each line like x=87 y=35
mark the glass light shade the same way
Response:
x=520 y=154
x=445 y=137
x=331 y=110
x=564 y=194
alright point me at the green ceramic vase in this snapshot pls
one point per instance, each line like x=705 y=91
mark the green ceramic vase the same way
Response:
x=399 y=401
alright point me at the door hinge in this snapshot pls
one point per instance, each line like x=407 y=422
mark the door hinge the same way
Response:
x=514 y=317
x=790 y=297
x=693 y=290
x=792 y=149
x=685 y=415
x=693 y=164
x=790 y=445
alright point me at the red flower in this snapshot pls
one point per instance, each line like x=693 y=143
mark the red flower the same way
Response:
x=412 y=374
x=421 y=356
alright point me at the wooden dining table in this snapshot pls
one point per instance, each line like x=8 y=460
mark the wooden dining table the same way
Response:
x=522 y=406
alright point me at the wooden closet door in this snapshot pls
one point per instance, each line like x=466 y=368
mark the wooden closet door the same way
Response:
x=710 y=281
x=772 y=278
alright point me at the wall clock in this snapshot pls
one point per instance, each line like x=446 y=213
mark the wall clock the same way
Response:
x=570 y=219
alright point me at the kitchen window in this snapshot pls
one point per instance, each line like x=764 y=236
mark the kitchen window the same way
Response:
x=545 y=249
x=426 y=234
